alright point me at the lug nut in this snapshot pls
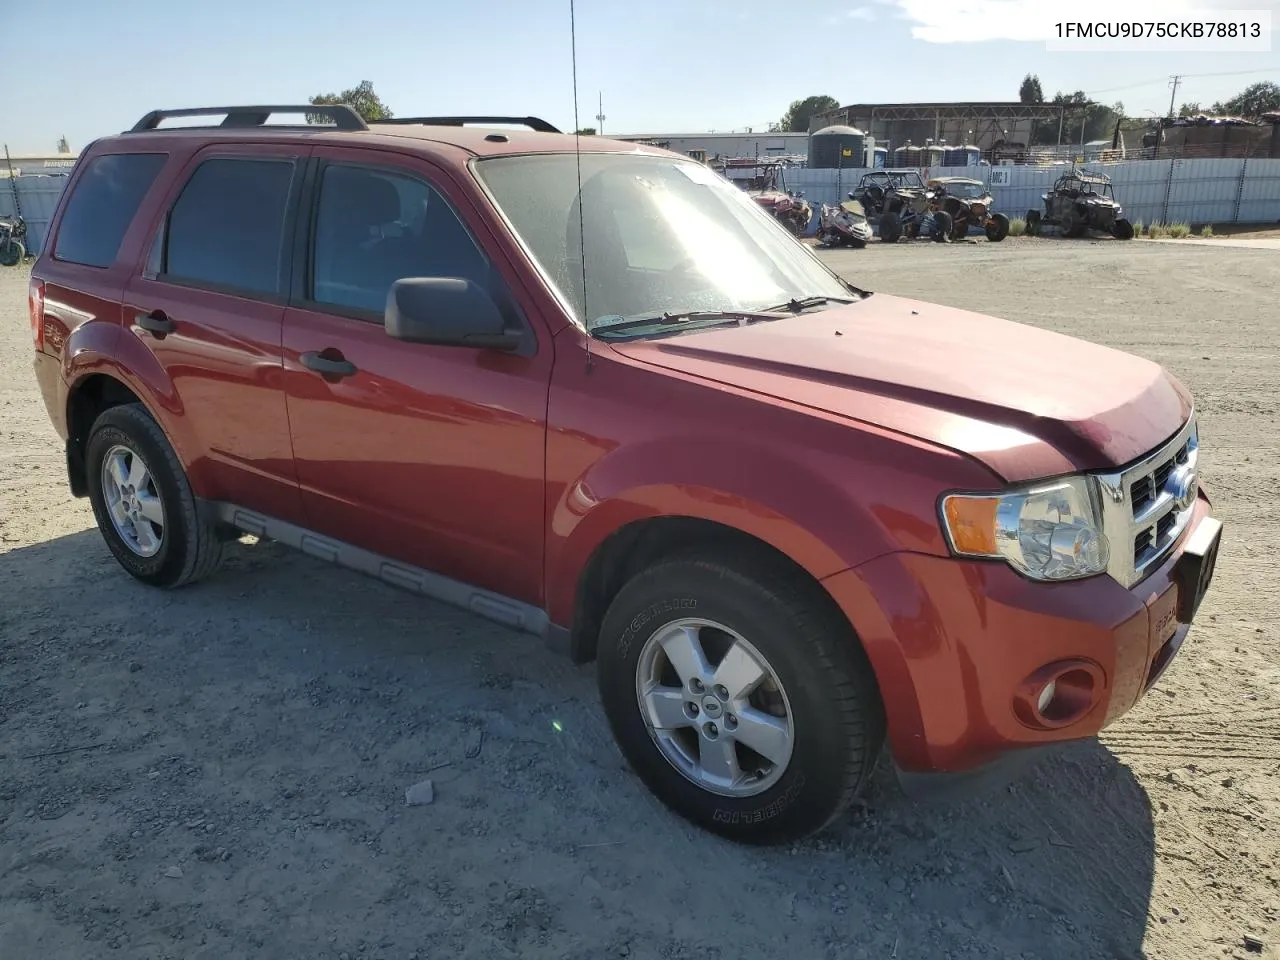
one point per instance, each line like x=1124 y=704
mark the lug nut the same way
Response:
x=721 y=691
x=711 y=730
x=696 y=685
x=691 y=708
x=730 y=722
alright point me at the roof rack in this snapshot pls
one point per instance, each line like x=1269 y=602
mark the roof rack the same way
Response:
x=343 y=116
x=533 y=123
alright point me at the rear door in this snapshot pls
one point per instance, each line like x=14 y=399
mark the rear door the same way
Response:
x=87 y=265
x=431 y=455
x=210 y=305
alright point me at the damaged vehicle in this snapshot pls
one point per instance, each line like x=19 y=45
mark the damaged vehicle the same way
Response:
x=1080 y=202
x=969 y=202
x=844 y=224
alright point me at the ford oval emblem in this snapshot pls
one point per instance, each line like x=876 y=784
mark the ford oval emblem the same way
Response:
x=1182 y=486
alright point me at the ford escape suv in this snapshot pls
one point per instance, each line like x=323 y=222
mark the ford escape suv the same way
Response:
x=590 y=391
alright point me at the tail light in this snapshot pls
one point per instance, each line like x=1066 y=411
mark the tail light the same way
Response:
x=35 y=303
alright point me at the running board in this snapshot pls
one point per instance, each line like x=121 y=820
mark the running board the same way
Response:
x=492 y=606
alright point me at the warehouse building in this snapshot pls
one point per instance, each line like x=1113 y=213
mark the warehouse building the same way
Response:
x=984 y=124
x=710 y=146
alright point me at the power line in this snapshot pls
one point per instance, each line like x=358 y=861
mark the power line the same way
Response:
x=1182 y=76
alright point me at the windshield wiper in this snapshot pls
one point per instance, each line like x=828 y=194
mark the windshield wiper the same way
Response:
x=799 y=305
x=617 y=324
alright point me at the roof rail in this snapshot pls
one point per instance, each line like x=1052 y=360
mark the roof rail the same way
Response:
x=533 y=123
x=342 y=115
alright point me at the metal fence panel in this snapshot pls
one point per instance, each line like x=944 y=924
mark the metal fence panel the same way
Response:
x=38 y=197
x=1218 y=190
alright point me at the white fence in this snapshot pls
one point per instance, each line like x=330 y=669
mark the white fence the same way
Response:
x=1165 y=191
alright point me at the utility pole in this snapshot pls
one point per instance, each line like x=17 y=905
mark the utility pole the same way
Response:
x=600 y=116
x=1173 y=82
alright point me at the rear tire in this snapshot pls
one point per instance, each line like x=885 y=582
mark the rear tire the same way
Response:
x=997 y=228
x=1033 y=223
x=819 y=704
x=12 y=253
x=942 y=227
x=890 y=228
x=157 y=530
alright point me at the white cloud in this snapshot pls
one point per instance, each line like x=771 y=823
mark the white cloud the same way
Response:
x=857 y=13
x=974 y=21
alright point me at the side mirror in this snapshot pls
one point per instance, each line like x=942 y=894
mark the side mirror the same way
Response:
x=446 y=312
x=852 y=195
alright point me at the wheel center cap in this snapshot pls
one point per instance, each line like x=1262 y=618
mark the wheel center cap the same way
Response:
x=711 y=706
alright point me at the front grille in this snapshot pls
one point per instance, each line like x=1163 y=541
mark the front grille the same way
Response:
x=1149 y=504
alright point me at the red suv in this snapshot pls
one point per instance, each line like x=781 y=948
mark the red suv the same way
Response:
x=591 y=391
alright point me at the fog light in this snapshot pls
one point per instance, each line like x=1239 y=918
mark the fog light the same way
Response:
x=1047 y=695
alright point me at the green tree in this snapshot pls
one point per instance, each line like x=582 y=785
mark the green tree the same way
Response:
x=1252 y=102
x=1099 y=120
x=366 y=103
x=1030 y=91
x=796 y=119
x=586 y=132
x=1192 y=109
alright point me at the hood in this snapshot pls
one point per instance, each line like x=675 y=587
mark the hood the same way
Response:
x=1026 y=402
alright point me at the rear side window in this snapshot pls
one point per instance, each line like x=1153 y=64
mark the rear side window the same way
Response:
x=226 y=229
x=102 y=206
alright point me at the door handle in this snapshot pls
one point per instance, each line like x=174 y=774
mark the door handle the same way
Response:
x=155 y=323
x=327 y=366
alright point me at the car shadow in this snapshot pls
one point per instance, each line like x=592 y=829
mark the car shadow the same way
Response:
x=288 y=704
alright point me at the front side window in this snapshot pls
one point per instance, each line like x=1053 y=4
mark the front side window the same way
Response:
x=226 y=229
x=374 y=227
x=102 y=206
x=656 y=235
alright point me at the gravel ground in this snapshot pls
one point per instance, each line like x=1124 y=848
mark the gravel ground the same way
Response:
x=219 y=772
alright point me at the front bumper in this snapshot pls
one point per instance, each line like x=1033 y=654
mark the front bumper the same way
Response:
x=955 y=645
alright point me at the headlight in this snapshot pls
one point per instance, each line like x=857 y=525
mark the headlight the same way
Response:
x=1051 y=531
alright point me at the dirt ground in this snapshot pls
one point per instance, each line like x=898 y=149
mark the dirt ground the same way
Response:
x=219 y=772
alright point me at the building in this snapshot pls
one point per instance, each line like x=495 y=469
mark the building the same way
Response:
x=981 y=124
x=724 y=145
x=37 y=164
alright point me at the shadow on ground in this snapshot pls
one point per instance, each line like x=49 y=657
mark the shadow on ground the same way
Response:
x=219 y=772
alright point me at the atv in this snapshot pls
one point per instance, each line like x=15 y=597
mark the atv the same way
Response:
x=13 y=230
x=1080 y=202
x=969 y=204
x=905 y=206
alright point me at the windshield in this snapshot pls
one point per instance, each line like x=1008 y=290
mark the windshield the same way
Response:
x=662 y=236
x=970 y=191
x=909 y=180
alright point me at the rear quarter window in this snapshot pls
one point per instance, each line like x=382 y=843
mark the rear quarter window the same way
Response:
x=102 y=205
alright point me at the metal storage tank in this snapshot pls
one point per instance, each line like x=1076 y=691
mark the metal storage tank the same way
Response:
x=931 y=155
x=960 y=156
x=881 y=155
x=907 y=155
x=836 y=146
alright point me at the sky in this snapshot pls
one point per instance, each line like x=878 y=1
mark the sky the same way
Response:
x=93 y=67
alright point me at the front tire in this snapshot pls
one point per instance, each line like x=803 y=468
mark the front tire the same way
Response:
x=739 y=696
x=997 y=228
x=1033 y=223
x=151 y=521
x=1122 y=229
x=942 y=227
x=890 y=228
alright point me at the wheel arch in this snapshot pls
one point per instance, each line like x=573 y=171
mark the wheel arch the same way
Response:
x=643 y=542
x=87 y=399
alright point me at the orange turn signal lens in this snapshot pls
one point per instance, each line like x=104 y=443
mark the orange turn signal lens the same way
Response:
x=971 y=522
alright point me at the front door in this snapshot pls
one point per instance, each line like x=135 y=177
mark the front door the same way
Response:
x=430 y=455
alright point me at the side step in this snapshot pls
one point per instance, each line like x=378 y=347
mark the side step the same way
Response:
x=492 y=606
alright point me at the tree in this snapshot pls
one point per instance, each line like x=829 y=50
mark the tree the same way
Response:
x=1030 y=91
x=1252 y=102
x=796 y=119
x=1099 y=120
x=586 y=132
x=1192 y=109
x=366 y=103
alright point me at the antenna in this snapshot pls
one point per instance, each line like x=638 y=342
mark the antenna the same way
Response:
x=577 y=150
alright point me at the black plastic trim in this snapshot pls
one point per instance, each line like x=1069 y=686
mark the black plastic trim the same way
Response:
x=343 y=116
